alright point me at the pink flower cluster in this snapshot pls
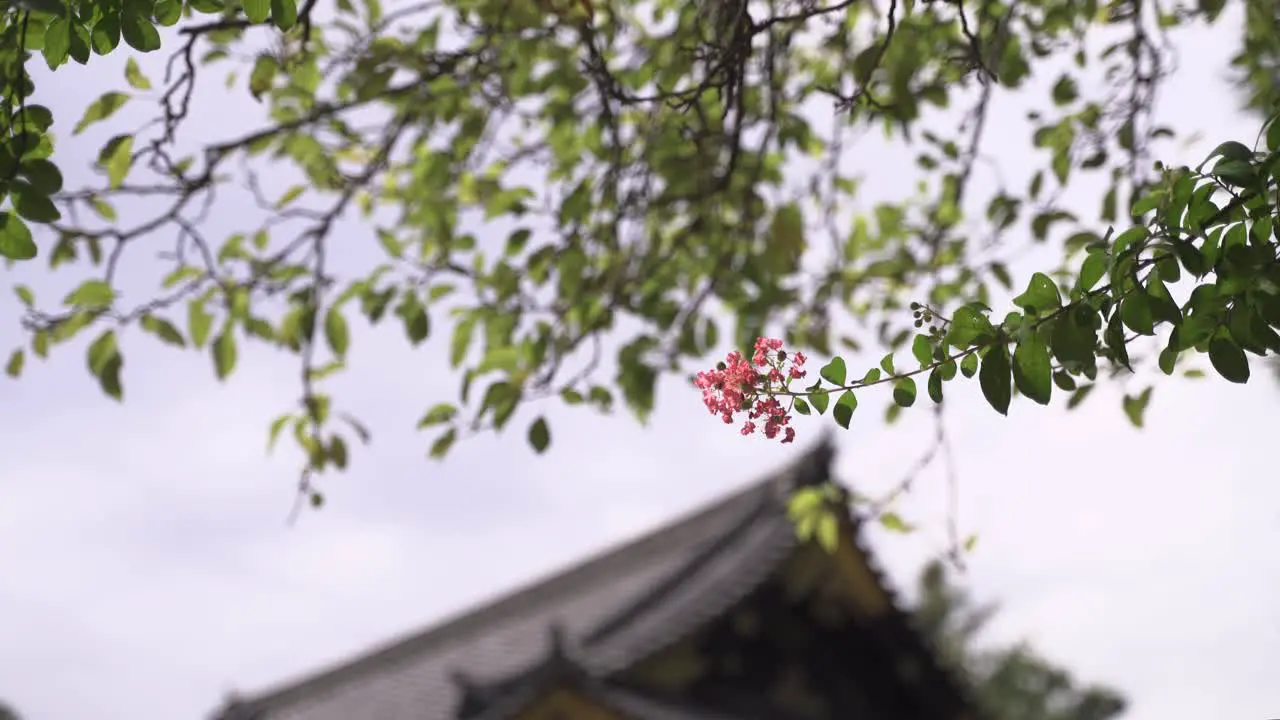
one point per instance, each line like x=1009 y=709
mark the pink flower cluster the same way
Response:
x=738 y=385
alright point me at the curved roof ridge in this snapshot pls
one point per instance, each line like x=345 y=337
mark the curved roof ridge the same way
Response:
x=727 y=569
x=662 y=589
x=600 y=565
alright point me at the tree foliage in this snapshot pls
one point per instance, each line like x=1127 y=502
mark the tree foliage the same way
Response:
x=541 y=176
x=1216 y=223
x=1012 y=683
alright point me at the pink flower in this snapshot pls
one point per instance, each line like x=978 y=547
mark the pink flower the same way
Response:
x=797 y=365
x=736 y=386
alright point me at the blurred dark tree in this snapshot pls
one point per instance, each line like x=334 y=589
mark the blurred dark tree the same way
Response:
x=1257 y=65
x=1012 y=682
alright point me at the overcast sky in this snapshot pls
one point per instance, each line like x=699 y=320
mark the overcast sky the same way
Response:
x=146 y=569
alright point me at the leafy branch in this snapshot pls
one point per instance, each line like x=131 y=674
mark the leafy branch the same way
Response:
x=579 y=262
x=1234 y=306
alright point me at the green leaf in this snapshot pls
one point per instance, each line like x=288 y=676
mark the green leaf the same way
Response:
x=105 y=363
x=517 y=241
x=1239 y=173
x=163 y=329
x=168 y=12
x=441 y=446
x=1065 y=90
x=284 y=13
x=100 y=350
x=224 y=352
x=33 y=206
x=289 y=196
x=969 y=364
x=886 y=363
x=904 y=392
x=338 y=452
x=1041 y=294
x=827 y=531
x=1232 y=150
x=638 y=381
x=44 y=176
x=922 y=349
x=106 y=34
x=336 y=332
x=91 y=294
x=79 y=49
x=461 y=341
x=834 y=371
x=801 y=406
x=1032 y=370
x=439 y=414
x=102 y=208
x=15 y=238
x=199 y=323
x=968 y=327
x=1228 y=359
x=893 y=522
x=807 y=500
x=109 y=377
x=1001 y=271
x=138 y=31
x=1041 y=223
x=101 y=109
x=257 y=10
x=133 y=75
x=786 y=242
x=995 y=378
x=600 y=397
x=1145 y=204
x=13 y=368
x=1095 y=266
x=417 y=324
x=820 y=399
x=539 y=435
x=50 y=7
x=57 y=42
x=1135 y=406
x=843 y=411
x=935 y=385
x=117 y=157
x=40 y=343
x=261 y=79
x=1063 y=379
x=1114 y=338
x=1135 y=313
x=1073 y=337
x=502 y=357
x=1079 y=396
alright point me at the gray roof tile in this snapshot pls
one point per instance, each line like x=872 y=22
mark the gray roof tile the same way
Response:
x=413 y=678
